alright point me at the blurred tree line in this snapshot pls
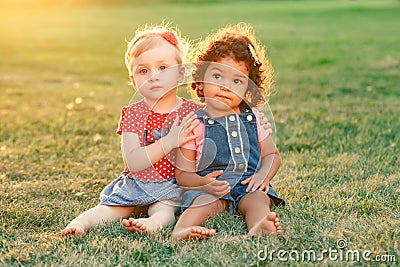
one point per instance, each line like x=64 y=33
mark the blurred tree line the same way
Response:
x=38 y=3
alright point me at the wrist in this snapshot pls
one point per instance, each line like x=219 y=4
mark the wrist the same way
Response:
x=167 y=144
x=204 y=180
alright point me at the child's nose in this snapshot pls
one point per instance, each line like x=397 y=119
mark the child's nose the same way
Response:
x=225 y=86
x=154 y=74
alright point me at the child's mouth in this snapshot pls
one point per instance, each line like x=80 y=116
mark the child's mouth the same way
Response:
x=156 y=87
x=222 y=97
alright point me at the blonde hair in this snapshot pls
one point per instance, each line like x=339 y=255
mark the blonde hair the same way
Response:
x=238 y=42
x=150 y=36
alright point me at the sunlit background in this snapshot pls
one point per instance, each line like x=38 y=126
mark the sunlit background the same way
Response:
x=336 y=105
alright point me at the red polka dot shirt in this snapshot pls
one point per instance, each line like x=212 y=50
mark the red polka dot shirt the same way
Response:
x=150 y=126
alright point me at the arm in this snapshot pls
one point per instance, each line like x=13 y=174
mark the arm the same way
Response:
x=270 y=163
x=186 y=176
x=139 y=157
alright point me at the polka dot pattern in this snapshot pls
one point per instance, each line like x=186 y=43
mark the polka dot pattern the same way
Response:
x=139 y=119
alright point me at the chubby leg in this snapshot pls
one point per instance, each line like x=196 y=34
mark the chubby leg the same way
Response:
x=255 y=206
x=189 y=225
x=160 y=215
x=94 y=217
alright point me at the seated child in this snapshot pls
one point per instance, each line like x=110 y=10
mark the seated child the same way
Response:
x=150 y=130
x=231 y=162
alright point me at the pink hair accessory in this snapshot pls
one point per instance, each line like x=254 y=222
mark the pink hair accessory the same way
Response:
x=170 y=37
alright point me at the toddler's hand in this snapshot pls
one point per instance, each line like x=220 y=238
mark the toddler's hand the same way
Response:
x=264 y=186
x=265 y=124
x=180 y=134
x=215 y=187
x=256 y=182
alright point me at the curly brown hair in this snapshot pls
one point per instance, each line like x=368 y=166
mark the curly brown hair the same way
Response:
x=238 y=42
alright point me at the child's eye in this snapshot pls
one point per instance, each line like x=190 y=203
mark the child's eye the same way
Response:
x=238 y=81
x=143 y=71
x=217 y=76
x=163 y=67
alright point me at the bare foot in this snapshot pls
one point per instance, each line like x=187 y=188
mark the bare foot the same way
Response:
x=141 y=225
x=193 y=233
x=74 y=228
x=270 y=225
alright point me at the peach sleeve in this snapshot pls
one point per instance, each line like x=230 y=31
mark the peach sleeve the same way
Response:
x=199 y=131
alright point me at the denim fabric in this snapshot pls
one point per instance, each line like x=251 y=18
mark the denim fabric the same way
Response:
x=127 y=190
x=230 y=144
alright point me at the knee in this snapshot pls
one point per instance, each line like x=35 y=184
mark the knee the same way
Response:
x=255 y=195
x=208 y=201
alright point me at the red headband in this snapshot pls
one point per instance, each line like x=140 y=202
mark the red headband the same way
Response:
x=170 y=37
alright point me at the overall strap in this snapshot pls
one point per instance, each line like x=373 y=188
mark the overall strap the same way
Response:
x=201 y=113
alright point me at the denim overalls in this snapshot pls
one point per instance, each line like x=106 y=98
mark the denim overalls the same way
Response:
x=230 y=144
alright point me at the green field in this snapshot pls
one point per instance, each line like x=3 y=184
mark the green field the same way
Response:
x=336 y=108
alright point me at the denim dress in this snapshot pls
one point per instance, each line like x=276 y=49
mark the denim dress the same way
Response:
x=230 y=144
x=129 y=191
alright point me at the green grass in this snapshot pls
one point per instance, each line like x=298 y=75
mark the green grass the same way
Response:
x=336 y=111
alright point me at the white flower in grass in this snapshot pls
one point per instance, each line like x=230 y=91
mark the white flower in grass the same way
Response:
x=99 y=108
x=97 y=137
x=70 y=106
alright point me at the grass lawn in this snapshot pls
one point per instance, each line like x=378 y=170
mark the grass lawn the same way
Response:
x=336 y=112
